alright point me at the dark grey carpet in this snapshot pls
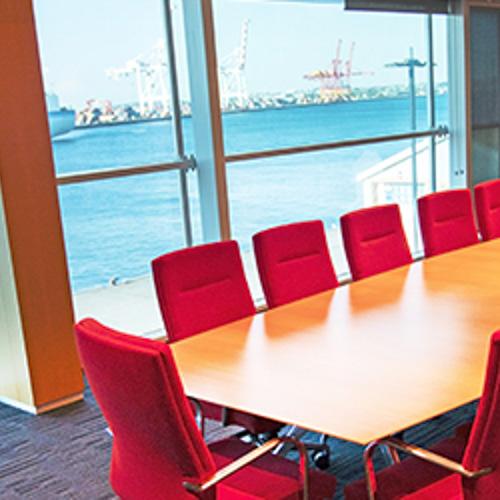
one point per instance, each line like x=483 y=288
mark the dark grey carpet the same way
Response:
x=65 y=454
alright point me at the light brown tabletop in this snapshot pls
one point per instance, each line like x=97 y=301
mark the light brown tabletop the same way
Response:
x=364 y=361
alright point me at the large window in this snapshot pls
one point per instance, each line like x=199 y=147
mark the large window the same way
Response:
x=279 y=55
x=107 y=62
x=292 y=76
x=298 y=74
x=109 y=100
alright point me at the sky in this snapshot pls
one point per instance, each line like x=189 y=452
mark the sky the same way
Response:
x=80 y=40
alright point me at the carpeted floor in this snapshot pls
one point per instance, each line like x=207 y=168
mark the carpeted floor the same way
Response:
x=65 y=454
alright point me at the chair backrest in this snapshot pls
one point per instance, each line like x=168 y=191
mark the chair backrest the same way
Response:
x=374 y=240
x=483 y=447
x=156 y=444
x=446 y=221
x=487 y=195
x=200 y=288
x=293 y=262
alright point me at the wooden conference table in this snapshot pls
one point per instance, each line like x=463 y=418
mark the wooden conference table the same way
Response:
x=363 y=361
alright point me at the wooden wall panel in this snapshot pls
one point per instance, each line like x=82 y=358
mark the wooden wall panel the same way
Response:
x=32 y=219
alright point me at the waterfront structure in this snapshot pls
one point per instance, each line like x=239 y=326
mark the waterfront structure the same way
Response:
x=233 y=84
x=336 y=82
x=61 y=120
x=150 y=73
x=404 y=177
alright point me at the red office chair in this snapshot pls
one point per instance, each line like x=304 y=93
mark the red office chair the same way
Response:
x=200 y=288
x=158 y=453
x=374 y=240
x=487 y=195
x=446 y=221
x=293 y=262
x=449 y=488
x=474 y=457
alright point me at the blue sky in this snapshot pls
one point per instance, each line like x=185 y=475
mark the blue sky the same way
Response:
x=79 y=40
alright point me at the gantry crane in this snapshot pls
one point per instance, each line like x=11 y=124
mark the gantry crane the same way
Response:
x=150 y=72
x=336 y=83
x=232 y=80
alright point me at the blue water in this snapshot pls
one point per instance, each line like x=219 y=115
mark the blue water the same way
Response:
x=114 y=228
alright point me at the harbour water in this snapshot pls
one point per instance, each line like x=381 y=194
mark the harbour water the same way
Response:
x=114 y=228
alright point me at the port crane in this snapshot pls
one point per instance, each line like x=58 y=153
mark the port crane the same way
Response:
x=336 y=82
x=233 y=85
x=150 y=72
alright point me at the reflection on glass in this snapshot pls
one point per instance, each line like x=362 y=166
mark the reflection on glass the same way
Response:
x=298 y=73
x=325 y=185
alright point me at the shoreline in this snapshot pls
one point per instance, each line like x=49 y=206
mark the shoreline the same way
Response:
x=244 y=110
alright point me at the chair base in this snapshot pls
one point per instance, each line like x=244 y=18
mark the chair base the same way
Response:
x=321 y=450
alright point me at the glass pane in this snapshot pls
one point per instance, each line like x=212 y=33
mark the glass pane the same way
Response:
x=265 y=193
x=106 y=82
x=106 y=147
x=317 y=73
x=114 y=228
x=107 y=89
x=440 y=39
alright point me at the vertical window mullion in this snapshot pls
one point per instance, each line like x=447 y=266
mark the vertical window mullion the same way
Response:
x=431 y=101
x=175 y=111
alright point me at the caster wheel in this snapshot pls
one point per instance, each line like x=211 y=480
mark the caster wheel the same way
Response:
x=321 y=460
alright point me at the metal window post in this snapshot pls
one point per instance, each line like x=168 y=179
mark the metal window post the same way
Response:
x=459 y=88
x=414 y=166
x=207 y=120
x=431 y=100
x=411 y=63
x=175 y=112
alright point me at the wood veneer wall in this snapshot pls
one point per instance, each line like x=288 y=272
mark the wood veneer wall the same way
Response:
x=39 y=367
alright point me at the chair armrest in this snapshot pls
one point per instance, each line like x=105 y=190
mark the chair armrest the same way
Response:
x=248 y=458
x=434 y=458
x=410 y=449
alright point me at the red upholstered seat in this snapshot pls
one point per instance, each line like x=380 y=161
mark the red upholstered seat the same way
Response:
x=280 y=474
x=477 y=450
x=374 y=240
x=449 y=488
x=487 y=195
x=463 y=430
x=446 y=221
x=200 y=288
x=293 y=262
x=156 y=444
x=410 y=475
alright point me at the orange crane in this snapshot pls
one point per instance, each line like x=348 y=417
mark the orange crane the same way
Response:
x=336 y=83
